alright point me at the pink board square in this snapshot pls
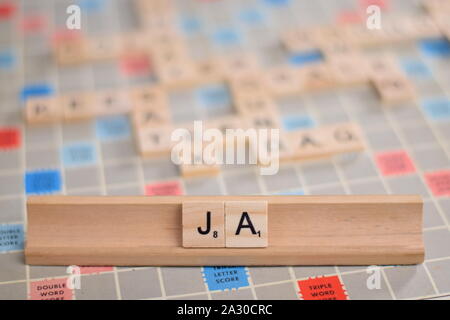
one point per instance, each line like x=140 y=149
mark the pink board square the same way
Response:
x=394 y=163
x=91 y=270
x=50 y=289
x=439 y=182
x=169 y=188
x=33 y=23
x=383 y=4
x=349 y=17
x=134 y=65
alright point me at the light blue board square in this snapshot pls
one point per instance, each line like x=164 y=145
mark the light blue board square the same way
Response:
x=227 y=37
x=296 y=122
x=215 y=95
x=11 y=237
x=437 y=108
x=190 y=25
x=112 y=128
x=296 y=192
x=415 y=68
x=277 y=3
x=7 y=59
x=305 y=57
x=222 y=278
x=252 y=17
x=79 y=154
x=91 y=6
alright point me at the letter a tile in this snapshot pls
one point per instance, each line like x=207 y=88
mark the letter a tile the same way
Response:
x=246 y=224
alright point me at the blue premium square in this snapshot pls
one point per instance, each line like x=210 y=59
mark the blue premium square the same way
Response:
x=42 y=182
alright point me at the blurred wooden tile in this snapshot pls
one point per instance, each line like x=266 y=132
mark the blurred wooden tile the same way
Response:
x=246 y=224
x=42 y=110
x=349 y=70
x=237 y=64
x=103 y=48
x=170 y=52
x=424 y=27
x=283 y=81
x=153 y=142
x=254 y=104
x=271 y=148
x=151 y=117
x=179 y=74
x=109 y=102
x=327 y=34
x=395 y=89
x=203 y=224
x=149 y=97
x=209 y=71
x=245 y=84
x=199 y=170
x=78 y=106
x=263 y=120
x=299 y=40
x=337 y=49
x=316 y=77
x=382 y=66
x=69 y=52
x=224 y=123
x=325 y=141
x=134 y=42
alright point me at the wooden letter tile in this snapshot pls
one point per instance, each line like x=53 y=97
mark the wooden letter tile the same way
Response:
x=246 y=224
x=325 y=141
x=103 y=48
x=42 y=110
x=199 y=170
x=177 y=74
x=77 y=106
x=203 y=224
x=239 y=64
x=209 y=71
x=395 y=89
x=112 y=102
x=69 y=52
x=151 y=117
x=148 y=97
x=299 y=40
x=349 y=70
x=316 y=77
x=283 y=81
x=254 y=104
x=154 y=141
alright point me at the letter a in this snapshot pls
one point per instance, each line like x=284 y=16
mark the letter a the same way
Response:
x=249 y=224
x=374 y=19
x=374 y=280
x=74 y=19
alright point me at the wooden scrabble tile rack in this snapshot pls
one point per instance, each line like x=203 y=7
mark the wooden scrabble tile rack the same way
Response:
x=301 y=230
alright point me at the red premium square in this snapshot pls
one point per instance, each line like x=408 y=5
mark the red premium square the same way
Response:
x=7 y=10
x=322 y=288
x=9 y=138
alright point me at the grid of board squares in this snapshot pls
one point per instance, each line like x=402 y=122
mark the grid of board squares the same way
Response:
x=174 y=69
x=407 y=130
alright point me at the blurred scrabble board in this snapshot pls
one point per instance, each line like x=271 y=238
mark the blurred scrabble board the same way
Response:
x=406 y=131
